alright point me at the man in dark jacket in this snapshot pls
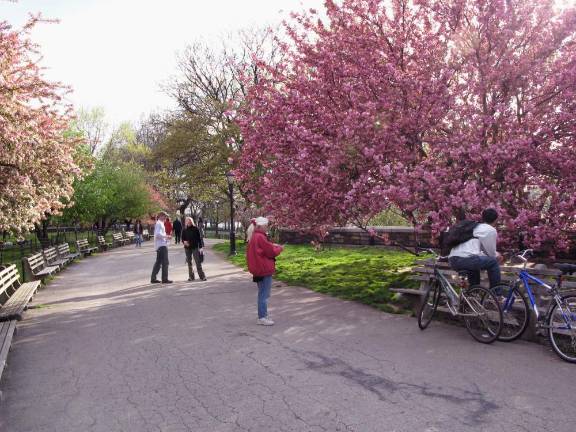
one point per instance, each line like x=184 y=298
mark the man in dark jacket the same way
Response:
x=177 y=228
x=193 y=245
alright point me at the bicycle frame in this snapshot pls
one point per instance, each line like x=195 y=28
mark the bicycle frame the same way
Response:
x=526 y=278
x=448 y=289
x=454 y=298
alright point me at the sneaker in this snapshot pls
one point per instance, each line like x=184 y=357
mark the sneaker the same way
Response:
x=265 y=321
x=154 y=281
x=166 y=281
x=204 y=278
x=191 y=279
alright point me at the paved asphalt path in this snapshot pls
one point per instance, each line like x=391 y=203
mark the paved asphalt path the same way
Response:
x=104 y=351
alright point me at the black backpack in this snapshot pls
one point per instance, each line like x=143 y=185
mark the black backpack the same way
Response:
x=458 y=233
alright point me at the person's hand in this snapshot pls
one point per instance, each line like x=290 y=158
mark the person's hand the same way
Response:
x=500 y=258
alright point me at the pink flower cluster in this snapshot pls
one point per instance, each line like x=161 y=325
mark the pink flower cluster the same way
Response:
x=440 y=108
x=37 y=166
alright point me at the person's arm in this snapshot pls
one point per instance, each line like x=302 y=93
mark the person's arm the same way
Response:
x=269 y=250
x=200 y=240
x=488 y=239
x=160 y=232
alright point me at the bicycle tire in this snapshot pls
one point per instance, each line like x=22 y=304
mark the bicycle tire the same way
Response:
x=483 y=316
x=429 y=304
x=515 y=316
x=563 y=341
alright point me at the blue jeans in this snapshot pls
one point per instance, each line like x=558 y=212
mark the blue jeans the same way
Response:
x=264 y=288
x=138 y=240
x=476 y=263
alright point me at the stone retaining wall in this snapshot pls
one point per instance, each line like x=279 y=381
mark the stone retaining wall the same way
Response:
x=406 y=236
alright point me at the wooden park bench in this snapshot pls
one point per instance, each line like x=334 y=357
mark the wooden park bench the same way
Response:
x=52 y=258
x=130 y=236
x=7 y=330
x=118 y=240
x=14 y=296
x=84 y=248
x=425 y=268
x=14 y=299
x=103 y=244
x=63 y=251
x=36 y=268
x=145 y=234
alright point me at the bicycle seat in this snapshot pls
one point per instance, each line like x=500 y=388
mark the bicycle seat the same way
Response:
x=566 y=268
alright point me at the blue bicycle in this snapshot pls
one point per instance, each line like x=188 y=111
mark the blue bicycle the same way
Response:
x=560 y=320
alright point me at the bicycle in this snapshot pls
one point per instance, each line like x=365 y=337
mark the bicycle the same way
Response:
x=478 y=306
x=560 y=319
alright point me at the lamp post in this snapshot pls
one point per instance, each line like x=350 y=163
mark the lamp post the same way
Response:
x=217 y=218
x=230 y=180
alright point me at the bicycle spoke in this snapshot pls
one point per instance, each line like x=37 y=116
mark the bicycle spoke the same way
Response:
x=482 y=314
x=515 y=313
x=562 y=328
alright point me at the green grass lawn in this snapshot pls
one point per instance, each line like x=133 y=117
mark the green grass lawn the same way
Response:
x=360 y=274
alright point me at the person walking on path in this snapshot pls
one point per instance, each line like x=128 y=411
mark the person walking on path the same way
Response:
x=193 y=247
x=177 y=227
x=138 y=230
x=261 y=257
x=168 y=225
x=161 y=247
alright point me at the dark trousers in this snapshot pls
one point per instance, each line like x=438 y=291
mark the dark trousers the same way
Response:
x=476 y=263
x=177 y=236
x=161 y=261
x=196 y=254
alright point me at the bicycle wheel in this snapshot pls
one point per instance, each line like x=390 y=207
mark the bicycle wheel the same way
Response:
x=515 y=312
x=562 y=329
x=482 y=314
x=429 y=304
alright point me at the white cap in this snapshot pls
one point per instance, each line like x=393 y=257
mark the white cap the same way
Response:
x=260 y=221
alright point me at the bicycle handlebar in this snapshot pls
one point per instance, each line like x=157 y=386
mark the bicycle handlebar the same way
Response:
x=433 y=252
x=419 y=249
x=522 y=256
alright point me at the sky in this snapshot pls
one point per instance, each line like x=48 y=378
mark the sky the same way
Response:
x=117 y=53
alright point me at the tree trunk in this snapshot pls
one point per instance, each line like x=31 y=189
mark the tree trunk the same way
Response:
x=41 y=230
x=183 y=205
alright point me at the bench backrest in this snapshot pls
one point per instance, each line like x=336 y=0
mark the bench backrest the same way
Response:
x=50 y=254
x=145 y=232
x=129 y=234
x=425 y=269
x=9 y=281
x=82 y=244
x=101 y=240
x=117 y=236
x=35 y=262
x=63 y=250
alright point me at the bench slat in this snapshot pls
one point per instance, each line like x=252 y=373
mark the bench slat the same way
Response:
x=7 y=330
x=18 y=302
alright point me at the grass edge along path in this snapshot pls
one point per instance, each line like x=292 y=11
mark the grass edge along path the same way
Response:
x=364 y=275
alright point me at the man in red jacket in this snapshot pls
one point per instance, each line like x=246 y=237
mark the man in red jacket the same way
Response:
x=261 y=254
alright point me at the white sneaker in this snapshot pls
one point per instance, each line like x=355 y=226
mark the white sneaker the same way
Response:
x=265 y=321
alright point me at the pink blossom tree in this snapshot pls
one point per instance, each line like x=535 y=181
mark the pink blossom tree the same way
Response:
x=439 y=108
x=37 y=166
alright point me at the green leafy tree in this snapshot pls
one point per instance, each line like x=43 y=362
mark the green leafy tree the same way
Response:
x=114 y=191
